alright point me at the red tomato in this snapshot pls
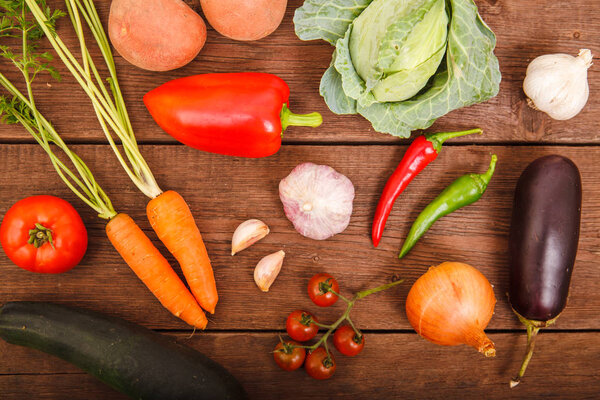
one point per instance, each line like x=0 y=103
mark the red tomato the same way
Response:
x=319 y=365
x=43 y=234
x=300 y=326
x=289 y=357
x=317 y=290
x=347 y=341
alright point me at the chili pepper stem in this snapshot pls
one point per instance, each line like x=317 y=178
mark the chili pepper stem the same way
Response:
x=437 y=139
x=288 y=118
x=488 y=174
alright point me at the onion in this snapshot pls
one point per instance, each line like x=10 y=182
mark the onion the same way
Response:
x=452 y=304
x=317 y=200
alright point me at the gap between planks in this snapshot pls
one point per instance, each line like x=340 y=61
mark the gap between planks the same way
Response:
x=400 y=142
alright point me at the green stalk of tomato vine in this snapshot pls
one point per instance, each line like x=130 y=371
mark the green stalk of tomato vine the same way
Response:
x=346 y=315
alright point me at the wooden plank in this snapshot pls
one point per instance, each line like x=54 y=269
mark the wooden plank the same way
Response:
x=524 y=31
x=391 y=366
x=224 y=191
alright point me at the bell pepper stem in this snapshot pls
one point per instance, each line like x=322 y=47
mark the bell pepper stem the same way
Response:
x=438 y=139
x=288 y=118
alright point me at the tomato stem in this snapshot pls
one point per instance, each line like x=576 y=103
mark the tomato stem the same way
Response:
x=320 y=325
x=366 y=293
x=338 y=295
x=356 y=331
x=40 y=235
x=345 y=316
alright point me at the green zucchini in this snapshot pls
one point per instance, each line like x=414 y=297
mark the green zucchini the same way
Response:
x=132 y=359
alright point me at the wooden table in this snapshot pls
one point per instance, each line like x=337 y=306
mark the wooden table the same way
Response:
x=224 y=191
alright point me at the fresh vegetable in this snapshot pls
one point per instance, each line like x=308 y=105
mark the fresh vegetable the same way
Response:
x=320 y=364
x=243 y=19
x=317 y=200
x=323 y=289
x=464 y=191
x=268 y=269
x=402 y=64
x=154 y=270
x=301 y=326
x=422 y=151
x=43 y=234
x=557 y=84
x=452 y=304
x=347 y=341
x=175 y=226
x=132 y=359
x=168 y=213
x=157 y=35
x=248 y=233
x=133 y=245
x=544 y=235
x=289 y=355
x=236 y=114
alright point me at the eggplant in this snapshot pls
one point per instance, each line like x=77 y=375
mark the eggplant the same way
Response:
x=544 y=234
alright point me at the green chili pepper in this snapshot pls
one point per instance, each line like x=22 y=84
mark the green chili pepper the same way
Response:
x=464 y=191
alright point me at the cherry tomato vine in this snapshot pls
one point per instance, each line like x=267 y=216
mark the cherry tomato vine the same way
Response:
x=323 y=289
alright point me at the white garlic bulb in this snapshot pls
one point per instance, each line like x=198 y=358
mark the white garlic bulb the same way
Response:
x=317 y=200
x=557 y=83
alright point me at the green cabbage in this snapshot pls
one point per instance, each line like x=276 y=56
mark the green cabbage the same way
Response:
x=402 y=63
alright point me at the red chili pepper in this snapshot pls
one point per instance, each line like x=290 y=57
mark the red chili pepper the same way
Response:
x=237 y=114
x=423 y=150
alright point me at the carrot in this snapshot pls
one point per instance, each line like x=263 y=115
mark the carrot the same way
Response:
x=174 y=224
x=154 y=270
x=169 y=214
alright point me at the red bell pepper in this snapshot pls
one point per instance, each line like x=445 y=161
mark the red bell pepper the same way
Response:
x=422 y=151
x=236 y=114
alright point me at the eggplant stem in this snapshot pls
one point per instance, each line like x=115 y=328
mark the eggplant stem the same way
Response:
x=532 y=332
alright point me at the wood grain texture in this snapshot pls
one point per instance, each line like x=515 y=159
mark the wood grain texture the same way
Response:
x=523 y=33
x=223 y=191
x=391 y=366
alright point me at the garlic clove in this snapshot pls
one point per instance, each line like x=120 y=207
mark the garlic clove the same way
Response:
x=557 y=84
x=267 y=269
x=248 y=233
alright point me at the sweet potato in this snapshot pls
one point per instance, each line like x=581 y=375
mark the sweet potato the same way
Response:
x=157 y=35
x=244 y=19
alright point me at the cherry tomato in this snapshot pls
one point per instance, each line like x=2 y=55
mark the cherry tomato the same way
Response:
x=300 y=326
x=319 y=365
x=43 y=234
x=287 y=356
x=317 y=289
x=347 y=341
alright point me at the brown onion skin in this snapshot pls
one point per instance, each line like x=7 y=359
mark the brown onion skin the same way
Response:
x=451 y=304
